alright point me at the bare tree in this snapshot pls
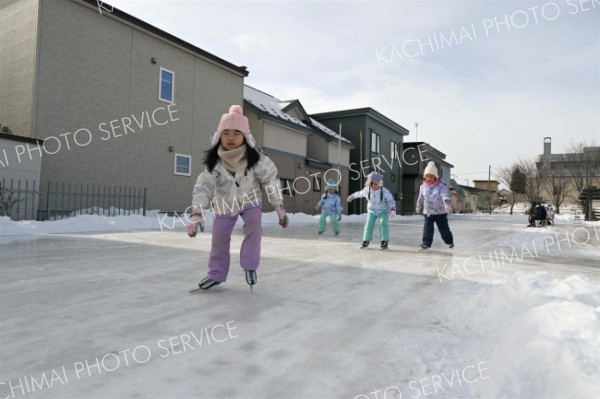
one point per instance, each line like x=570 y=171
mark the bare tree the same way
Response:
x=514 y=179
x=559 y=188
x=582 y=164
x=8 y=199
x=535 y=180
x=582 y=161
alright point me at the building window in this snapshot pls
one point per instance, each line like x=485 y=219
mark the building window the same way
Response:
x=374 y=142
x=166 y=85
x=183 y=165
x=286 y=186
x=393 y=150
x=316 y=183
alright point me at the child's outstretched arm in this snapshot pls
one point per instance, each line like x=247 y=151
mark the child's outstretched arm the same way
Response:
x=338 y=205
x=420 y=201
x=320 y=203
x=359 y=194
x=446 y=198
x=196 y=222
x=266 y=173
x=203 y=190
x=203 y=193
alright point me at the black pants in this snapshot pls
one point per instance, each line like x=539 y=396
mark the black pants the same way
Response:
x=443 y=227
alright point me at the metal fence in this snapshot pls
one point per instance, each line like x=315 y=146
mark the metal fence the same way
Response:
x=24 y=200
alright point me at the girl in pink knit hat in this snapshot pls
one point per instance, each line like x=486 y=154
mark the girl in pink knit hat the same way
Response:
x=231 y=185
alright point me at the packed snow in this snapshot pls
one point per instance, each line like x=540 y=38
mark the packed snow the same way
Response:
x=98 y=307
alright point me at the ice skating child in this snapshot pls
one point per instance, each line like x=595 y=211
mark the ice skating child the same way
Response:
x=381 y=206
x=330 y=205
x=435 y=202
x=231 y=183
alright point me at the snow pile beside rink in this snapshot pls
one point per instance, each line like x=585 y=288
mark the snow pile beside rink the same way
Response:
x=154 y=220
x=546 y=334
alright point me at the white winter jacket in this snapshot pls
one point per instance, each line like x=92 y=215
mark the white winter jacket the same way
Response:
x=226 y=194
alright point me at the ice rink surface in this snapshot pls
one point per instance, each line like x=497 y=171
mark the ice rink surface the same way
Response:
x=108 y=315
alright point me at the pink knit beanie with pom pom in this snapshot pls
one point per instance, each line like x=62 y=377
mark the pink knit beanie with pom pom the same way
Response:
x=234 y=120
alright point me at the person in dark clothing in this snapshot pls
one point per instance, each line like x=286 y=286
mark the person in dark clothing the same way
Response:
x=532 y=216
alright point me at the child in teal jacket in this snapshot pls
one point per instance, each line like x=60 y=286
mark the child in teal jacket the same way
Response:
x=381 y=206
x=330 y=205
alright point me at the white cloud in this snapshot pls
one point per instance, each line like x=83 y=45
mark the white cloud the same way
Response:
x=487 y=101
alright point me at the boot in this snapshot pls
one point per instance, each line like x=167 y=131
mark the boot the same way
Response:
x=384 y=245
x=365 y=244
x=206 y=283
x=251 y=277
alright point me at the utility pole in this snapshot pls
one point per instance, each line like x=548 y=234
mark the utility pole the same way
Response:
x=488 y=185
x=339 y=147
x=361 y=173
x=416 y=131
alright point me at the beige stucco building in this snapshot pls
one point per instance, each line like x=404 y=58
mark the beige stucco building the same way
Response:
x=116 y=100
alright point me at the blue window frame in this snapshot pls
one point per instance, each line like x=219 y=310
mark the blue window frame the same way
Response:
x=166 y=86
x=183 y=165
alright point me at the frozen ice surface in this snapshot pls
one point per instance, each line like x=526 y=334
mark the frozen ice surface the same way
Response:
x=326 y=319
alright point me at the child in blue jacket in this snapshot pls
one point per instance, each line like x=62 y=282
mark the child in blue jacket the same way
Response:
x=330 y=205
x=381 y=206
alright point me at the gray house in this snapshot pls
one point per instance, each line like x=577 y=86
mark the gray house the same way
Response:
x=378 y=143
x=116 y=100
x=306 y=152
x=416 y=156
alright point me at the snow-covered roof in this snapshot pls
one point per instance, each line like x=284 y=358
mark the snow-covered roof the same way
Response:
x=328 y=131
x=274 y=107
x=269 y=104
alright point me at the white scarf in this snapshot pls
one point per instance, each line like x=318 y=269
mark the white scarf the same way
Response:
x=234 y=160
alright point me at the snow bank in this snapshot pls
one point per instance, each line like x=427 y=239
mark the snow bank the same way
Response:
x=154 y=220
x=79 y=224
x=546 y=330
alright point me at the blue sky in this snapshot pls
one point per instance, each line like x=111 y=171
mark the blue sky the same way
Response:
x=487 y=99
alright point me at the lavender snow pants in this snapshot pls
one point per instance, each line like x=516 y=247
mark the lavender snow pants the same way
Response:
x=218 y=262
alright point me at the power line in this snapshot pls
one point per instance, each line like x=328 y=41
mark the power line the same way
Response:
x=470 y=173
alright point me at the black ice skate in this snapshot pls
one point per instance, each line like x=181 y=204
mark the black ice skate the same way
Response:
x=384 y=245
x=365 y=244
x=451 y=245
x=205 y=284
x=251 y=277
x=337 y=233
x=424 y=247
